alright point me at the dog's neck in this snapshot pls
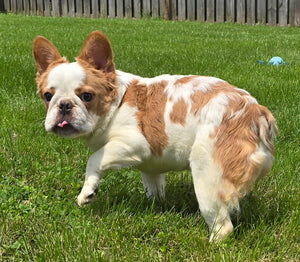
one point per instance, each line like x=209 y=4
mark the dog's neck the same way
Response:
x=123 y=80
x=99 y=137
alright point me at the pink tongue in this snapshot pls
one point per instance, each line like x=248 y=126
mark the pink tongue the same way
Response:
x=62 y=124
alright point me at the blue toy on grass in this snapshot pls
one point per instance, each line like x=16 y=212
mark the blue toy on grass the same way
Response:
x=276 y=60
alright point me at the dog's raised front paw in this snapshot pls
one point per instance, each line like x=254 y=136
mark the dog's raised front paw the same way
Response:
x=86 y=196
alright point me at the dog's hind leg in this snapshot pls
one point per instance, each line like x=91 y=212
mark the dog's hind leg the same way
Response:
x=207 y=178
x=154 y=185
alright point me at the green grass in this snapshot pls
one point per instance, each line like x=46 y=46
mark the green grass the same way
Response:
x=42 y=174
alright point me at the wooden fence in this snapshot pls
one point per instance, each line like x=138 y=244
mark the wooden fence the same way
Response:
x=271 y=12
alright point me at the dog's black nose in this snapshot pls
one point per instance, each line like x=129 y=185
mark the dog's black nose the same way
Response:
x=65 y=106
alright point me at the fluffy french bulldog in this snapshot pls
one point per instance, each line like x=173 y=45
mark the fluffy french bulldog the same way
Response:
x=169 y=122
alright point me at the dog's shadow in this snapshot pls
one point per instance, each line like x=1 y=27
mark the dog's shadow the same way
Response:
x=181 y=198
x=258 y=209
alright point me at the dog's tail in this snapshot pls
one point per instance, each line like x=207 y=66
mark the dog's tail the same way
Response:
x=251 y=152
x=267 y=128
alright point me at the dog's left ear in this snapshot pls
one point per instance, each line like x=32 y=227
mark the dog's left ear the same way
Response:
x=97 y=51
x=44 y=53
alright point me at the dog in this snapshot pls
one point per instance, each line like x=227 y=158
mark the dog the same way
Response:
x=169 y=122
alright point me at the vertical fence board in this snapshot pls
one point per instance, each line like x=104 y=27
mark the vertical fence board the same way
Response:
x=191 y=5
x=111 y=9
x=240 y=11
x=71 y=8
x=55 y=8
x=19 y=7
x=200 y=10
x=33 y=7
x=64 y=8
x=283 y=12
x=162 y=8
x=155 y=8
x=47 y=8
x=13 y=6
x=87 y=8
x=137 y=9
x=210 y=11
x=26 y=7
x=230 y=17
x=181 y=10
x=168 y=15
x=6 y=5
x=128 y=9
x=173 y=4
x=297 y=13
x=78 y=8
x=262 y=11
x=272 y=19
x=292 y=12
x=120 y=8
x=95 y=8
x=220 y=10
x=39 y=7
x=146 y=8
x=251 y=12
x=103 y=8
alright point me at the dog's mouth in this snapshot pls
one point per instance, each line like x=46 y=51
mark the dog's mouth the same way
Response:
x=65 y=128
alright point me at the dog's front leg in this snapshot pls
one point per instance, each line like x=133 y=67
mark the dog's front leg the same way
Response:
x=113 y=155
x=92 y=178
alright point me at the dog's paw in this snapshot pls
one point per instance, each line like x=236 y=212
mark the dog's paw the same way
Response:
x=86 y=196
x=221 y=232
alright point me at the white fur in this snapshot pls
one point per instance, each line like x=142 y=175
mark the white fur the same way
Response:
x=189 y=147
x=207 y=178
x=118 y=141
x=65 y=78
x=154 y=185
x=120 y=135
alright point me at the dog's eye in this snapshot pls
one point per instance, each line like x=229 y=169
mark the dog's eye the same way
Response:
x=48 y=96
x=86 y=97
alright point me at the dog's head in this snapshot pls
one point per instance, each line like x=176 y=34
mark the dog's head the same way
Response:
x=76 y=95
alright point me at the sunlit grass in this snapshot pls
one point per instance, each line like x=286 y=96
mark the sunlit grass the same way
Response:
x=41 y=174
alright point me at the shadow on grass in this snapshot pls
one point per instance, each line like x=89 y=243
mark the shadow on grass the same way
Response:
x=182 y=199
x=259 y=212
x=128 y=196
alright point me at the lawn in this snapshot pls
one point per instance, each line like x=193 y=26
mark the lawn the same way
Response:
x=42 y=174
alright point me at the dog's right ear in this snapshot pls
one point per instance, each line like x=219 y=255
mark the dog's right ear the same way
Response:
x=44 y=53
x=97 y=51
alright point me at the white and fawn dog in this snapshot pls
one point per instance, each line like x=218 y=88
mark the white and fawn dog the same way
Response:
x=169 y=122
